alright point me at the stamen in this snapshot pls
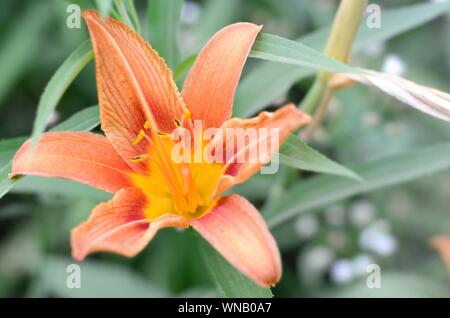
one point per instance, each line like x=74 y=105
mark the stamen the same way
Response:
x=138 y=138
x=164 y=135
x=140 y=158
x=186 y=115
x=178 y=176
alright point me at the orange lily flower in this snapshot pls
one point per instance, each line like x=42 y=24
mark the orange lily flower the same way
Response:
x=139 y=107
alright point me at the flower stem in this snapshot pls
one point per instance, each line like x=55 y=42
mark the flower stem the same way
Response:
x=339 y=44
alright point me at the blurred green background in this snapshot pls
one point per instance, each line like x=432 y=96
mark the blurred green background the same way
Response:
x=325 y=251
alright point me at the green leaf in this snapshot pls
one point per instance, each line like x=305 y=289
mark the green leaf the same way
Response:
x=104 y=6
x=184 y=66
x=127 y=14
x=269 y=81
x=97 y=279
x=85 y=120
x=20 y=45
x=8 y=148
x=297 y=154
x=230 y=282
x=278 y=49
x=216 y=15
x=164 y=19
x=43 y=185
x=6 y=183
x=58 y=84
x=131 y=9
x=321 y=191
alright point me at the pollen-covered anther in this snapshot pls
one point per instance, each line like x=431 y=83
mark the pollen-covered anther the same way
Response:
x=138 y=138
x=163 y=135
x=140 y=158
x=186 y=115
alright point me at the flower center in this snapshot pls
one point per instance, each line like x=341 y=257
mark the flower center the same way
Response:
x=171 y=186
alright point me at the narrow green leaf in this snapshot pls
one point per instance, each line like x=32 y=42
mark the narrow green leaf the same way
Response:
x=164 y=19
x=124 y=14
x=58 y=84
x=6 y=183
x=278 y=49
x=98 y=279
x=184 y=66
x=131 y=9
x=104 y=6
x=230 y=282
x=8 y=148
x=269 y=81
x=85 y=120
x=20 y=44
x=297 y=154
x=216 y=15
x=42 y=185
x=321 y=191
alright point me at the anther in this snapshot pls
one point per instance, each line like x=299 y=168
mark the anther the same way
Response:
x=186 y=114
x=140 y=158
x=164 y=135
x=177 y=122
x=138 y=138
x=147 y=124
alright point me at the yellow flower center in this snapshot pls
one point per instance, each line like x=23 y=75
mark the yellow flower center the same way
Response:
x=182 y=188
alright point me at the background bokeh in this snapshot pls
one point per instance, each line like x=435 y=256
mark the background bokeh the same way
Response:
x=325 y=252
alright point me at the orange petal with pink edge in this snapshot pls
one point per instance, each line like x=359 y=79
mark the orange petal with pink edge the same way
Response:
x=283 y=122
x=442 y=244
x=119 y=226
x=80 y=156
x=210 y=85
x=238 y=232
x=134 y=85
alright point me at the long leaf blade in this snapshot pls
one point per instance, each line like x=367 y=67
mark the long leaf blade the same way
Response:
x=391 y=170
x=57 y=86
x=269 y=81
x=164 y=19
x=297 y=154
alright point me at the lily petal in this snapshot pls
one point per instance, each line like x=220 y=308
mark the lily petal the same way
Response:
x=119 y=226
x=80 y=156
x=210 y=85
x=237 y=231
x=134 y=85
x=441 y=243
x=287 y=119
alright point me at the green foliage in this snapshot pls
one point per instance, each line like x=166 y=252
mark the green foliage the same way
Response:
x=164 y=17
x=230 y=282
x=372 y=150
x=58 y=84
x=394 y=169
